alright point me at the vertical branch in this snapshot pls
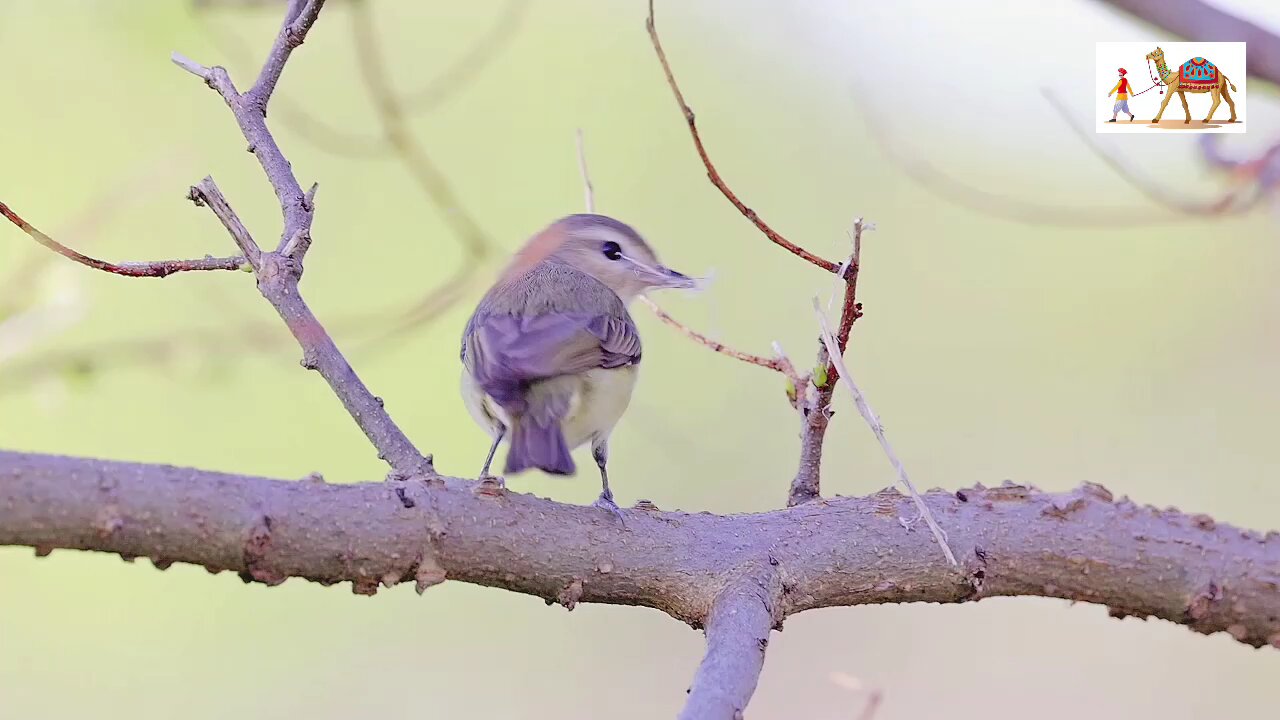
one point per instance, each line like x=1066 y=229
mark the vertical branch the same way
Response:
x=815 y=402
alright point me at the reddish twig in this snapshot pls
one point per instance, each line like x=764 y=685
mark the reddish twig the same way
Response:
x=150 y=269
x=713 y=174
x=815 y=402
x=778 y=364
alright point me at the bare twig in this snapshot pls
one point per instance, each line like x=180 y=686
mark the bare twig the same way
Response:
x=128 y=192
x=588 y=190
x=150 y=269
x=777 y=364
x=836 y=354
x=278 y=273
x=780 y=363
x=713 y=174
x=815 y=403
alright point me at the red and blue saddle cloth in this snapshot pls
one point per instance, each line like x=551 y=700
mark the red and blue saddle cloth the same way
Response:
x=1198 y=74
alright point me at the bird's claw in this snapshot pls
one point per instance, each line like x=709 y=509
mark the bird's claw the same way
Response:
x=491 y=485
x=605 y=502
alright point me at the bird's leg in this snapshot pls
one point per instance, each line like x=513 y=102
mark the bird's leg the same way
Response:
x=487 y=480
x=600 y=451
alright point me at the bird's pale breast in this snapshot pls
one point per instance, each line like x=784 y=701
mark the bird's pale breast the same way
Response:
x=600 y=397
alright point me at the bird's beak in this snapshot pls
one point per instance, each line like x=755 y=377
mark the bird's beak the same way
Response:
x=668 y=278
x=658 y=276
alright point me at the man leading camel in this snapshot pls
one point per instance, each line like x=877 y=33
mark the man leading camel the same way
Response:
x=1121 y=91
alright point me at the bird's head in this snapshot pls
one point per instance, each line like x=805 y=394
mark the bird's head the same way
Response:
x=608 y=250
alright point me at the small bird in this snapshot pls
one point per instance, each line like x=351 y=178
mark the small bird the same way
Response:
x=550 y=355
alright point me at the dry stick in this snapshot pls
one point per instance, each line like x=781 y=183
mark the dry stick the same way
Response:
x=780 y=364
x=712 y=173
x=17 y=284
x=278 y=272
x=150 y=269
x=869 y=415
x=588 y=190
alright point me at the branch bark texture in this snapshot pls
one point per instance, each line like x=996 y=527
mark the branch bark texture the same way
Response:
x=1012 y=540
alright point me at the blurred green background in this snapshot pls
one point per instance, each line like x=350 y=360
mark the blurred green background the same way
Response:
x=1141 y=357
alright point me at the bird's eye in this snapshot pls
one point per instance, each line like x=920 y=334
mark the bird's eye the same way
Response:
x=612 y=250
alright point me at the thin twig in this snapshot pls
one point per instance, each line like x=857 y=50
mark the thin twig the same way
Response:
x=712 y=173
x=207 y=193
x=777 y=364
x=780 y=364
x=149 y=269
x=815 y=402
x=876 y=427
x=588 y=190
x=278 y=273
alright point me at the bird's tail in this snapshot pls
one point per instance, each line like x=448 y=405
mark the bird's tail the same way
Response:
x=539 y=445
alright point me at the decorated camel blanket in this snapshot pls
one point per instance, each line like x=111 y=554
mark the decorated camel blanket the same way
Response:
x=1199 y=74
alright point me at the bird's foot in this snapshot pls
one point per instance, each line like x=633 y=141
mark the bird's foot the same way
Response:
x=605 y=502
x=493 y=485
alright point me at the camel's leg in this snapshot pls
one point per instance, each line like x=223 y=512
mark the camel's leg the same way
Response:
x=1167 y=97
x=1185 y=107
x=1217 y=100
x=1226 y=94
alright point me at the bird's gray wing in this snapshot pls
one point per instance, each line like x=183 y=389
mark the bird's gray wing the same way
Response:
x=505 y=352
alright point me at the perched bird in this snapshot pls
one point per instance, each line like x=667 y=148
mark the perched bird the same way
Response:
x=550 y=356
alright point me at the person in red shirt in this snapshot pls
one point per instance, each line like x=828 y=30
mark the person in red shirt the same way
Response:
x=1121 y=90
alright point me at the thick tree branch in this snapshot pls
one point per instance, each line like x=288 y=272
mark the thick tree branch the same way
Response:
x=738 y=628
x=1013 y=540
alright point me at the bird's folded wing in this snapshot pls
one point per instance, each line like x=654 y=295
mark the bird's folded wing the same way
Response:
x=506 y=352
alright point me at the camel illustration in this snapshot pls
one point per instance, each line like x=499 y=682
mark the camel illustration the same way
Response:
x=1196 y=75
